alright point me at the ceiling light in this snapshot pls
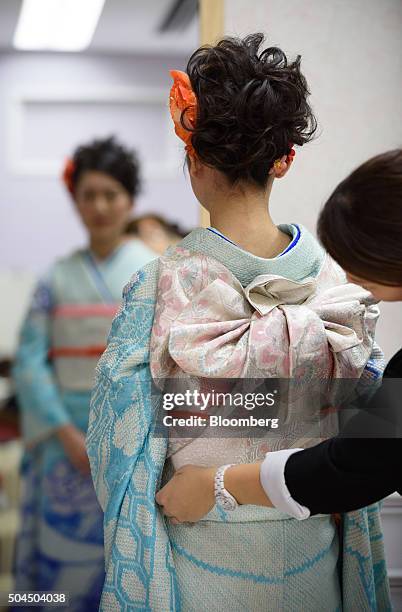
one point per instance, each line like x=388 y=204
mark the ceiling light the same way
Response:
x=57 y=25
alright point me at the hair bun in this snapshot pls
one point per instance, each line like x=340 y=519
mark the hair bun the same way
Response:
x=252 y=106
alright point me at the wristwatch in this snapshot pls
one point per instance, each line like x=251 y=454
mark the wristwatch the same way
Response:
x=222 y=497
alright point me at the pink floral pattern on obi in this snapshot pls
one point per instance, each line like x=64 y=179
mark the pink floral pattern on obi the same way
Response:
x=207 y=325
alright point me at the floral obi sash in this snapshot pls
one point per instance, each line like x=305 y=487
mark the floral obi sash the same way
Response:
x=206 y=324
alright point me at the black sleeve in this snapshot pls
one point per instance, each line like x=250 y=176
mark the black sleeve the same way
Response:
x=343 y=474
x=355 y=469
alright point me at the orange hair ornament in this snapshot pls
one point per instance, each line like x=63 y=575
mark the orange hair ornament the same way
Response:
x=291 y=154
x=183 y=108
x=68 y=174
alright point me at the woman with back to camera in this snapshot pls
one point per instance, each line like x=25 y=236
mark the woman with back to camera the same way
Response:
x=60 y=547
x=361 y=227
x=242 y=299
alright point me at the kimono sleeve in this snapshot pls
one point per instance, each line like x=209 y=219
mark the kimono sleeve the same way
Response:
x=40 y=402
x=127 y=460
x=120 y=414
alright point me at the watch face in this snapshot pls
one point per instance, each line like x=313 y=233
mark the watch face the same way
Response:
x=226 y=502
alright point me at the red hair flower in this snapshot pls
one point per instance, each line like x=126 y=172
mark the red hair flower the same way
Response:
x=183 y=104
x=68 y=174
x=291 y=154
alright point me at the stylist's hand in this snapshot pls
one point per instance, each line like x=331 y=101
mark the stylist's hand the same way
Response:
x=189 y=495
x=73 y=441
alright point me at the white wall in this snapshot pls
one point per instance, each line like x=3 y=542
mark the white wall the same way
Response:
x=51 y=102
x=352 y=57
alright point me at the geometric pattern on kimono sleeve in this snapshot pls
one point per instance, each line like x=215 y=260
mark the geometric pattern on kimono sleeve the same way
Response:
x=365 y=584
x=127 y=465
x=113 y=395
x=126 y=461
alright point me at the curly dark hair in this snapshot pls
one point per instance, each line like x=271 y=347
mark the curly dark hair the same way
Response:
x=108 y=156
x=360 y=225
x=252 y=107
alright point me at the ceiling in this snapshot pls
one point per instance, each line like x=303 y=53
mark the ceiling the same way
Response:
x=125 y=26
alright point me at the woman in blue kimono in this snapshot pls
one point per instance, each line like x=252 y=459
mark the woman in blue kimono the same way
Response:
x=60 y=547
x=242 y=299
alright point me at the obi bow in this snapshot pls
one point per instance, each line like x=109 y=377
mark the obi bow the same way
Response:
x=207 y=325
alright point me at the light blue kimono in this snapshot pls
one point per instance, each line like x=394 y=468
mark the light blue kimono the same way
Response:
x=60 y=547
x=253 y=559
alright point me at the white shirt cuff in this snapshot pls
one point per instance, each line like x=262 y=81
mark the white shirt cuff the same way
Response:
x=272 y=477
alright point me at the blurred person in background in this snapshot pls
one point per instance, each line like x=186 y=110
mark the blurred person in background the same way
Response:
x=156 y=232
x=60 y=547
